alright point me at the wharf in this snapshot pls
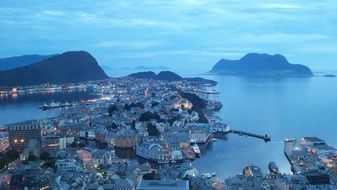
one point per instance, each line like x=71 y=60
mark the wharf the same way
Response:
x=265 y=137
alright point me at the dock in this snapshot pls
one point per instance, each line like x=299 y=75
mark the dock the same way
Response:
x=224 y=129
x=265 y=137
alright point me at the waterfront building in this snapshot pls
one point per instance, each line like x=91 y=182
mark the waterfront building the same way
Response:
x=163 y=185
x=199 y=133
x=316 y=146
x=289 y=145
x=177 y=138
x=252 y=171
x=20 y=133
x=153 y=149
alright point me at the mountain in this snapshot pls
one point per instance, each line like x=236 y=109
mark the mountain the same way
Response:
x=265 y=65
x=144 y=75
x=169 y=76
x=21 y=61
x=69 y=67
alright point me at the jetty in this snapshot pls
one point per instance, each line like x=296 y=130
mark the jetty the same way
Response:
x=224 y=129
x=265 y=137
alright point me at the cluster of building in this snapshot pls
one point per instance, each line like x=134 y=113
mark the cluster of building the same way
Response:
x=78 y=148
x=143 y=134
x=313 y=164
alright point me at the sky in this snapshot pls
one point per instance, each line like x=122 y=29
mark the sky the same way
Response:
x=187 y=35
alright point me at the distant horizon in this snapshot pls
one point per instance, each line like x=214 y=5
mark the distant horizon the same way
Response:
x=126 y=70
x=175 y=34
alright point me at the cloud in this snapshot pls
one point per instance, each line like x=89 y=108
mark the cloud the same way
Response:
x=283 y=37
x=279 y=6
x=129 y=44
x=318 y=48
x=166 y=30
x=53 y=12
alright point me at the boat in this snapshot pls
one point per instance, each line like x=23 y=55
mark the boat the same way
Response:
x=214 y=139
x=273 y=168
x=162 y=161
x=50 y=106
x=207 y=175
x=53 y=105
x=196 y=149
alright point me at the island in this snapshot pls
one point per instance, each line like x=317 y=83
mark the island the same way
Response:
x=21 y=61
x=329 y=75
x=261 y=65
x=170 y=76
x=69 y=67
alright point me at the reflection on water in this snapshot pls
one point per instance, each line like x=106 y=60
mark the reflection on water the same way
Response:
x=24 y=107
x=281 y=108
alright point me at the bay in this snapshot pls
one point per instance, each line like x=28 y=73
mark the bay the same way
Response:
x=25 y=107
x=281 y=108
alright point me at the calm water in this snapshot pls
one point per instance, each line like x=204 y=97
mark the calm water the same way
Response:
x=25 y=107
x=279 y=107
x=282 y=108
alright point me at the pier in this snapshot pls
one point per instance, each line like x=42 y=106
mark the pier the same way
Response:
x=224 y=129
x=266 y=137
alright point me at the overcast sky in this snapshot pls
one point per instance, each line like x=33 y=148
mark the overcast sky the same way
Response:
x=177 y=34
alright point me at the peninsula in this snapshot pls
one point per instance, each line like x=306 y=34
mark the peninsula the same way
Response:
x=69 y=67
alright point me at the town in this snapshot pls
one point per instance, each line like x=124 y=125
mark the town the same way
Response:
x=142 y=134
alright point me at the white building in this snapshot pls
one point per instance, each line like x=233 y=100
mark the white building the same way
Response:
x=199 y=133
x=68 y=165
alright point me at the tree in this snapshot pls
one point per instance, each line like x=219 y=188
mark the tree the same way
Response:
x=81 y=145
x=112 y=126
x=152 y=130
x=133 y=125
x=147 y=116
x=154 y=104
x=112 y=108
x=149 y=176
x=50 y=163
x=12 y=155
x=45 y=156
x=133 y=105
x=173 y=119
x=32 y=157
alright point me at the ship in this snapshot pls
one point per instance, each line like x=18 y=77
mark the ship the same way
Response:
x=196 y=149
x=54 y=105
x=273 y=168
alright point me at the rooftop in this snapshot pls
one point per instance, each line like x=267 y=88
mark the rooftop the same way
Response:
x=163 y=185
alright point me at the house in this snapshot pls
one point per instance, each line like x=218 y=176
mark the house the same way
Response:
x=163 y=185
x=199 y=133
x=70 y=165
x=102 y=157
x=32 y=148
